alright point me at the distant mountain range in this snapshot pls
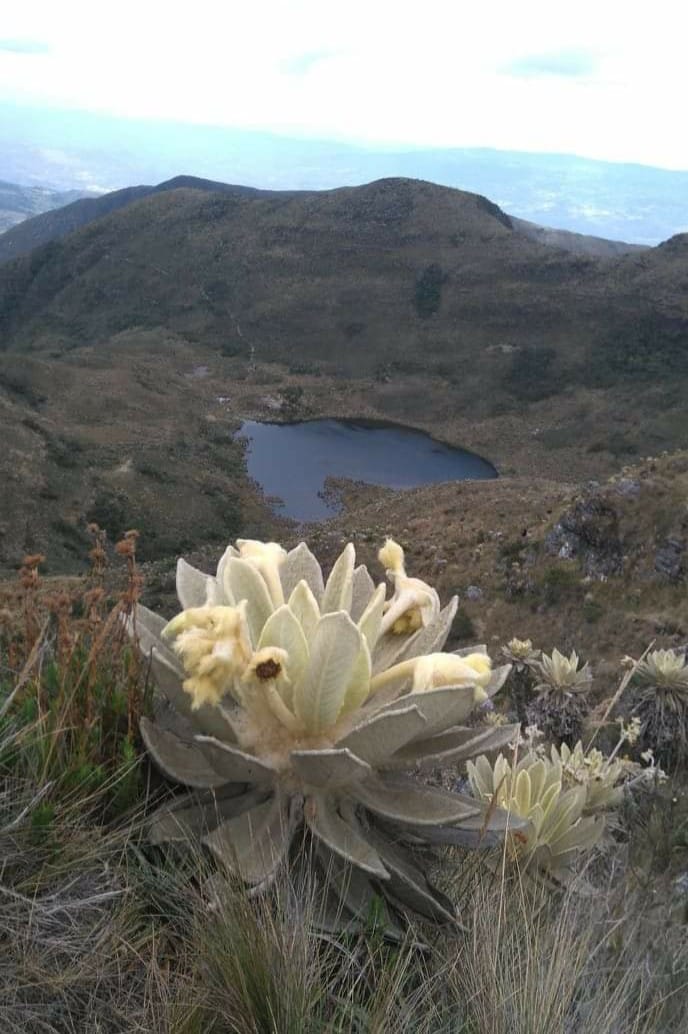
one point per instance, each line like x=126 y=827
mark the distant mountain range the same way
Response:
x=132 y=347
x=68 y=150
x=18 y=203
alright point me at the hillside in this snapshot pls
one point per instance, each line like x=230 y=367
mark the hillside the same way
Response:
x=132 y=348
x=578 y=243
x=53 y=225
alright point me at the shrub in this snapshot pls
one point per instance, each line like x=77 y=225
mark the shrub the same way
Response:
x=530 y=376
x=69 y=716
x=559 y=582
x=428 y=294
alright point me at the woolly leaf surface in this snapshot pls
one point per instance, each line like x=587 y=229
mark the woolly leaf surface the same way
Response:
x=233 y=764
x=404 y=800
x=192 y=585
x=301 y=565
x=363 y=588
x=345 y=838
x=339 y=587
x=383 y=734
x=183 y=762
x=334 y=648
x=246 y=583
x=254 y=843
x=326 y=769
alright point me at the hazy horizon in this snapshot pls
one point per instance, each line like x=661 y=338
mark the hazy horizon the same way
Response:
x=532 y=78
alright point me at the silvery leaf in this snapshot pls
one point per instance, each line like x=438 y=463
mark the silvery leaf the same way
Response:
x=441 y=708
x=192 y=585
x=466 y=651
x=345 y=838
x=405 y=800
x=363 y=588
x=301 y=565
x=304 y=606
x=233 y=764
x=455 y=745
x=339 y=587
x=245 y=583
x=148 y=620
x=382 y=735
x=327 y=769
x=497 y=679
x=370 y=620
x=334 y=648
x=358 y=686
x=179 y=760
x=254 y=844
x=354 y=889
x=224 y=596
x=409 y=885
x=190 y=815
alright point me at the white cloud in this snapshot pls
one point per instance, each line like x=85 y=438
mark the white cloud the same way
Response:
x=23 y=46
x=530 y=76
x=572 y=61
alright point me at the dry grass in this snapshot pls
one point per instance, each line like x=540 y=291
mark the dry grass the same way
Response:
x=100 y=934
x=534 y=964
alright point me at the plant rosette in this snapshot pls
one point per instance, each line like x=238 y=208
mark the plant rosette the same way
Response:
x=295 y=706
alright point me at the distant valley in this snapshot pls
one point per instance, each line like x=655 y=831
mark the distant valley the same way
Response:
x=18 y=203
x=133 y=346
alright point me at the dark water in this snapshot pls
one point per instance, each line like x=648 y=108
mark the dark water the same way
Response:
x=291 y=461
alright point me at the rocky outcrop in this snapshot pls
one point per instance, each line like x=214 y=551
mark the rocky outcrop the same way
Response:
x=670 y=558
x=589 y=532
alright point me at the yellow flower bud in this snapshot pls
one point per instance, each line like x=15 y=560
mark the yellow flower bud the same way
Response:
x=414 y=603
x=391 y=556
x=266 y=557
x=446 y=669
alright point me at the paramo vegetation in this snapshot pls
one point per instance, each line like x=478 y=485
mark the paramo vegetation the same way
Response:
x=290 y=808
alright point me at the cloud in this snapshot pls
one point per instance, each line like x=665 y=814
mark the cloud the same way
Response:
x=23 y=46
x=301 y=64
x=569 y=64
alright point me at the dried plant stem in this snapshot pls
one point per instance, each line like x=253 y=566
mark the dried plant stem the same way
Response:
x=36 y=651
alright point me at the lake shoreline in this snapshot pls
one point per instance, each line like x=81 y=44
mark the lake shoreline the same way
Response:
x=292 y=460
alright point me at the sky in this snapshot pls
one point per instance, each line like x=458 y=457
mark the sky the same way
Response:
x=601 y=79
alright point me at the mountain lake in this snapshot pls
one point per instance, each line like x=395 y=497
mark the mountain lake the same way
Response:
x=291 y=461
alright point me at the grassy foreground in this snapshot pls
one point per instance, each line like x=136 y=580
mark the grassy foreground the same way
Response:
x=101 y=932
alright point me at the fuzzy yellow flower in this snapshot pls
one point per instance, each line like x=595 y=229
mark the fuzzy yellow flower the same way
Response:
x=214 y=646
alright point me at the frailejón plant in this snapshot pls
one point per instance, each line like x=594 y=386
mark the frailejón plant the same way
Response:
x=560 y=703
x=660 y=701
x=295 y=706
x=601 y=776
x=534 y=788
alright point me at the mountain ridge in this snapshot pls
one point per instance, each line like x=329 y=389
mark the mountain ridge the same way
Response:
x=131 y=350
x=54 y=225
